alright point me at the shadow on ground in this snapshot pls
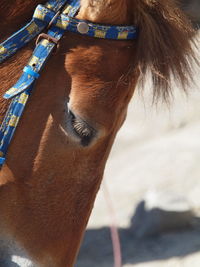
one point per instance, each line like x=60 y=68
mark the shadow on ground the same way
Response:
x=96 y=249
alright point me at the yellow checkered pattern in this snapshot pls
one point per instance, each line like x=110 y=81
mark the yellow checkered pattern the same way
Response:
x=2 y=49
x=49 y=6
x=32 y=28
x=39 y=14
x=13 y=121
x=67 y=9
x=122 y=35
x=62 y=24
x=100 y=34
x=23 y=98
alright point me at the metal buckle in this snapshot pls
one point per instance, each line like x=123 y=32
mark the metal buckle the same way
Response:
x=48 y=37
x=45 y=35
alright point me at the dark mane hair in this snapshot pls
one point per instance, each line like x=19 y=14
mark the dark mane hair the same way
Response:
x=165 y=44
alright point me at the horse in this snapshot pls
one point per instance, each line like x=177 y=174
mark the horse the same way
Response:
x=55 y=162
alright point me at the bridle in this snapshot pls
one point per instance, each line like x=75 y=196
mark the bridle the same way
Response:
x=56 y=17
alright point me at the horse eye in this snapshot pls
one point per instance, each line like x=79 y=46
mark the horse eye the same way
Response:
x=81 y=129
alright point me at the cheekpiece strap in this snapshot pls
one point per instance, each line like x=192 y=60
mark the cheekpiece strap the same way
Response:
x=35 y=64
x=21 y=91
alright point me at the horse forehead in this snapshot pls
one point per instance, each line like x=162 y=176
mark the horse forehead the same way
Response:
x=108 y=61
x=85 y=55
x=98 y=74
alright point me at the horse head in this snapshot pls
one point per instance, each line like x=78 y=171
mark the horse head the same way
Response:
x=56 y=160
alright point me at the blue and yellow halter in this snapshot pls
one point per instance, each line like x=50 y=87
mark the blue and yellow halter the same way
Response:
x=56 y=17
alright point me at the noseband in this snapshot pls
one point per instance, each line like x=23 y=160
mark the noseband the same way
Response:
x=55 y=17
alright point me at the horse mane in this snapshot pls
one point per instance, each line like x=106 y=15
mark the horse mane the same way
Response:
x=165 y=45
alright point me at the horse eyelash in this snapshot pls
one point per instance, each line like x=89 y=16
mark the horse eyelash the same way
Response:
x=81 y=128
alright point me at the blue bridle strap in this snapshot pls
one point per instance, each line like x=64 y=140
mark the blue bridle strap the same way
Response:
x=43 y=16
x=31 y=72
x=35 y=64
x=30 y=31
x=11 y=120
x=59 y=23
x=21 y=91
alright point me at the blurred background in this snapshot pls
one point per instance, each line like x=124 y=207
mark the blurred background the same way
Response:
x=153 y=176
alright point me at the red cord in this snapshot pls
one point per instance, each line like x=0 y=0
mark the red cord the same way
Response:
x=113 y=228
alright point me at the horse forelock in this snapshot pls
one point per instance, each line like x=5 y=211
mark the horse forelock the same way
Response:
x=105 y=11
x=165 y=44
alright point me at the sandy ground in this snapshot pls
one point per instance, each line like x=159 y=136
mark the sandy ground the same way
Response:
x=157 y=148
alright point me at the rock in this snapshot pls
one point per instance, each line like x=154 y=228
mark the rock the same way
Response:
x=161 y=212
